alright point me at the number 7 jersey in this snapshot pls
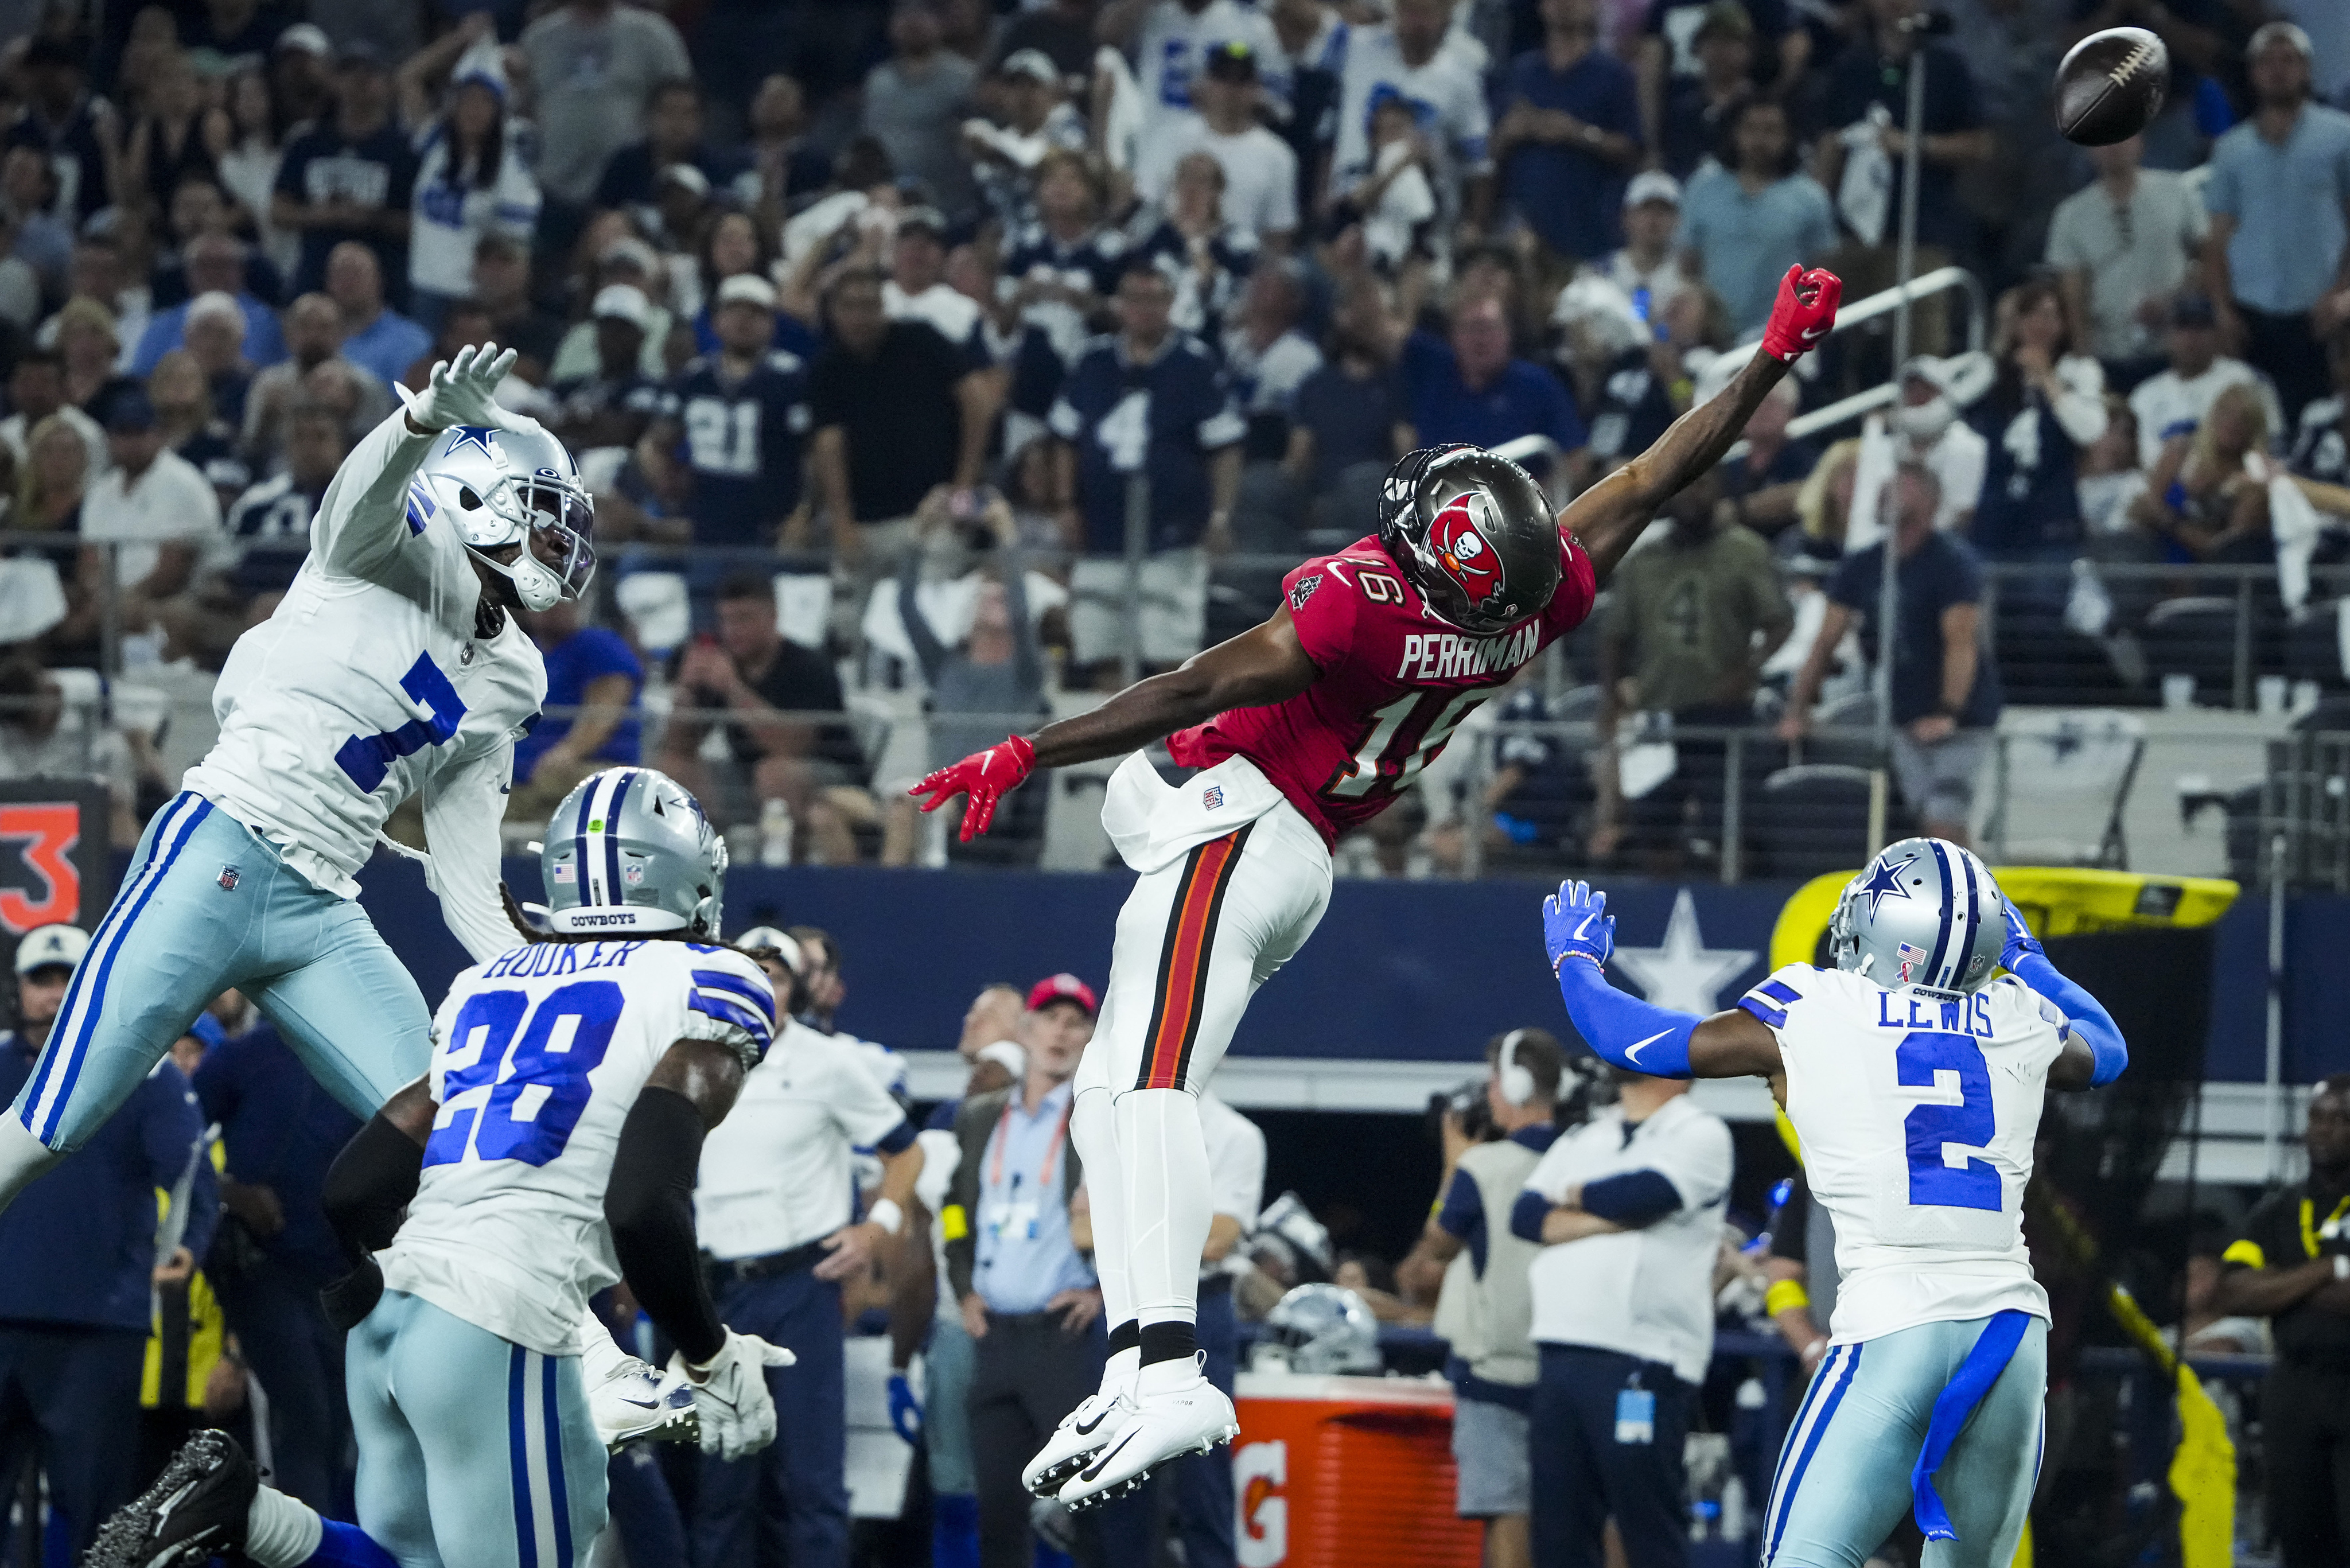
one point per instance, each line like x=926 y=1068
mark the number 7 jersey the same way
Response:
x=1394 y=682
x=1916 y=1112
x=537 y=1058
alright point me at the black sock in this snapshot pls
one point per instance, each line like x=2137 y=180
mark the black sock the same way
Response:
x=1168 y=1342
x=1127 y=1336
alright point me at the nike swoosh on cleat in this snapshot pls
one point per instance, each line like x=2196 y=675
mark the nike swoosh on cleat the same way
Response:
x=1632 y=1053
x=1086 y=1428
x=1102 y=1463
x=641 y=1404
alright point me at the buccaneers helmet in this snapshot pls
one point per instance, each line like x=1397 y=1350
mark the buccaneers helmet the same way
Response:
x=1474 y=533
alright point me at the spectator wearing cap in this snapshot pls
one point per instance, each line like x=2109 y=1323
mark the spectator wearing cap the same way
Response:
x=741 y=417
x=68 y=126
x=775 y=1209
x=1260 y=197
x=1467 y=386
x=1649 y=267
x=1151 y=400
x=1169 y=42
x=213 y=265
x=1753 y=217
x=2124 y=247
x=673 y=138
x=1037 y=120
x=918 y=290
x=1698 y=104
x=1477 y=1268
x=593 y=68
x=376 y=338
x=624 y=258
x=2170 y=405
x=274 y=1249
x=1017 y=1237
x=612 y=406
x=74 y=1303
x=301 y=77
x=349 y=179
x=2276 y=261
x=472 y=179
x=154 y=506
x=1569 y=136
x=1411 y=57
x=314 y=336
x=915 y=102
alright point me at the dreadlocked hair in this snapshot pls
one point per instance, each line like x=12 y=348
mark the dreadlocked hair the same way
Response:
x=532 y=934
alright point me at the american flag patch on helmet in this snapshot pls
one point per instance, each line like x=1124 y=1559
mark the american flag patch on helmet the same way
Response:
x=1911 y=959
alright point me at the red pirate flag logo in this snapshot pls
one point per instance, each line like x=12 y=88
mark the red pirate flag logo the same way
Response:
x=1457 y=541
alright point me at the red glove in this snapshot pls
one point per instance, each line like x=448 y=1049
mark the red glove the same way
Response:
x=986 y=776
x=1802 y=315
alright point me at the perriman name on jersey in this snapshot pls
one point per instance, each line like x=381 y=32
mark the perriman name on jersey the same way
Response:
x=1447 y=656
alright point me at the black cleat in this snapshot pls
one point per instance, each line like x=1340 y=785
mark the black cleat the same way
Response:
x=195 y=1510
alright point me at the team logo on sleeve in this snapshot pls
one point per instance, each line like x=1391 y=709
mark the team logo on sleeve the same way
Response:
x=1302 y=590
x=1457 y=539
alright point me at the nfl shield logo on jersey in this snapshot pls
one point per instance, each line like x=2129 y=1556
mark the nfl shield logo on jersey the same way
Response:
x=1212 y=796
x=1911 y=958
x=1302 y=590
x=228 y=878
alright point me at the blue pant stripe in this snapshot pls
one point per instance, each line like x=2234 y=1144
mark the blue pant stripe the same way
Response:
x=558 y=1504
x=65 y=1068
x=1820 y=1380
x=518 y=1450
x=1795 y=1479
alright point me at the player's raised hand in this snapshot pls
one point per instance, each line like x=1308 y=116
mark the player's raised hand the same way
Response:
x=1804 y=312
x=463 y=390
x=986 y=776
x=732 y=1404
x=2021 y=942
x=1577 y=924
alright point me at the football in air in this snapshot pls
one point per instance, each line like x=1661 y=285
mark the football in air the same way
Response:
x=2111 y=85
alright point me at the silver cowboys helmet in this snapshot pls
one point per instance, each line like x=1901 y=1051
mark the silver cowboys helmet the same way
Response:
x=1924 y=912
x=631 y=851
x=503 y=486
x=1327 y=1329
x=1473 y=533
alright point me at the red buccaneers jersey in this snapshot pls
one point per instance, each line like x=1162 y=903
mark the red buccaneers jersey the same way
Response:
x=1395 y=683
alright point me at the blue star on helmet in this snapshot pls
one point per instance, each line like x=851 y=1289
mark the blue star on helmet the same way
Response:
x=1884 y=878
x=461 y=436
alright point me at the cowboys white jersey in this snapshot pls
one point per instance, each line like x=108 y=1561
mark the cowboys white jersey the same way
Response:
x=1917 y=1111
x=537 y=1057
x=369 y=684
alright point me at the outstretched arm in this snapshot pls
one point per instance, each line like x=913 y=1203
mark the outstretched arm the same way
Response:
x=1264 y=664
x=1609 y=515
x=1635 y=1035
x=2094 y=1052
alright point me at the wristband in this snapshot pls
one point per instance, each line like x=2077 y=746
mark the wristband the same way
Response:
x=886 y=1213
x=1785 y=1296
x=2342 y=1265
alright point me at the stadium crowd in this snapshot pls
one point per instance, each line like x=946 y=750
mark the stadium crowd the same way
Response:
x=874 y=312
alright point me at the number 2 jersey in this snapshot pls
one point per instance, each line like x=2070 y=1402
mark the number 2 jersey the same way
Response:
x=1916 y=1112
x=1395 y=683
x=537 y=1057
x=368 y=683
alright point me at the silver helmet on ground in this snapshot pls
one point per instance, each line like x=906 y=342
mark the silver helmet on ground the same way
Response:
x=630 y=852
x=1923 y=912
x=501 y=486
x=1326 y=1329
x=1474 y=533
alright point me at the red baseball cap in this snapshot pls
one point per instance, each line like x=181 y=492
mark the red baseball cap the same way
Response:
x=1063 y=987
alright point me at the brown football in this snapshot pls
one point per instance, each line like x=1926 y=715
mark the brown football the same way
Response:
x=2110 y=85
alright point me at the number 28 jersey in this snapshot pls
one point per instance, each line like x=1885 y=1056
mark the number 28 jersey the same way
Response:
x=1395 y=683
x=1916 y=1112
x=537 y=1057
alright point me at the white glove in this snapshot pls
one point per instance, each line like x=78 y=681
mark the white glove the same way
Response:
x=737 y=1412
x=463 y=390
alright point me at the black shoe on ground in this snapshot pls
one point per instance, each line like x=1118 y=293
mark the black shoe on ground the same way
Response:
x=195 y=1510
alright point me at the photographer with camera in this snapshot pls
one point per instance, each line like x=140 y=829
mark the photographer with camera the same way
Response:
x=1484 y=1308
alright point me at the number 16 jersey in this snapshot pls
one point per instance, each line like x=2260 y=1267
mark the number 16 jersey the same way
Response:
x=1394 y=682
x=1916 y=1112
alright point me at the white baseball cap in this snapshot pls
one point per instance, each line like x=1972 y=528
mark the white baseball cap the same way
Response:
x=686 y=175
x=747 y=288
x=307 y=37
x=1652 y=186
x=51 y=947
x=1006 y=1055
x=769 y=937
x=622 y=301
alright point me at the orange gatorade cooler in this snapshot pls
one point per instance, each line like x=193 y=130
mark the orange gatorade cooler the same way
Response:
x=1346 y=1473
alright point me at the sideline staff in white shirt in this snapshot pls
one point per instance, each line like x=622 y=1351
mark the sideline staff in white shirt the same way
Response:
x=774 y=1208
x=1629 y=1208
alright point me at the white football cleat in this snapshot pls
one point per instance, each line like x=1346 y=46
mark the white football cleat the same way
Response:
x=1083 y=1433
x=1192 y=1419
x=635 y=1403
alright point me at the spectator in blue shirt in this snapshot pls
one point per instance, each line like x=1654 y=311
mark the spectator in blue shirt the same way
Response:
x=376 y=338
x=742 y=415
x=1742 y=226
x=274 y=1249
x=1875 y=70
x=1570 y=135
x=589 y=723
x=1466 y=388
x=82 y=1266
x=349 y=179
x=212 y=264
x=2276 y=261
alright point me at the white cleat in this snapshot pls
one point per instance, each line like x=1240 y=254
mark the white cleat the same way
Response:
x=1192 y=1419
x=1081 y=1434
x=639 y=1404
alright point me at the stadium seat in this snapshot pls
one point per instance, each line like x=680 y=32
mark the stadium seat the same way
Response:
x=2076 y=763
x=1808 y=820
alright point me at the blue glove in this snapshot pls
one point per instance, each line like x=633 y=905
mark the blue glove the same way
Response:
x=2020 y=940
x=905 y=1410
x=1576 y=922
